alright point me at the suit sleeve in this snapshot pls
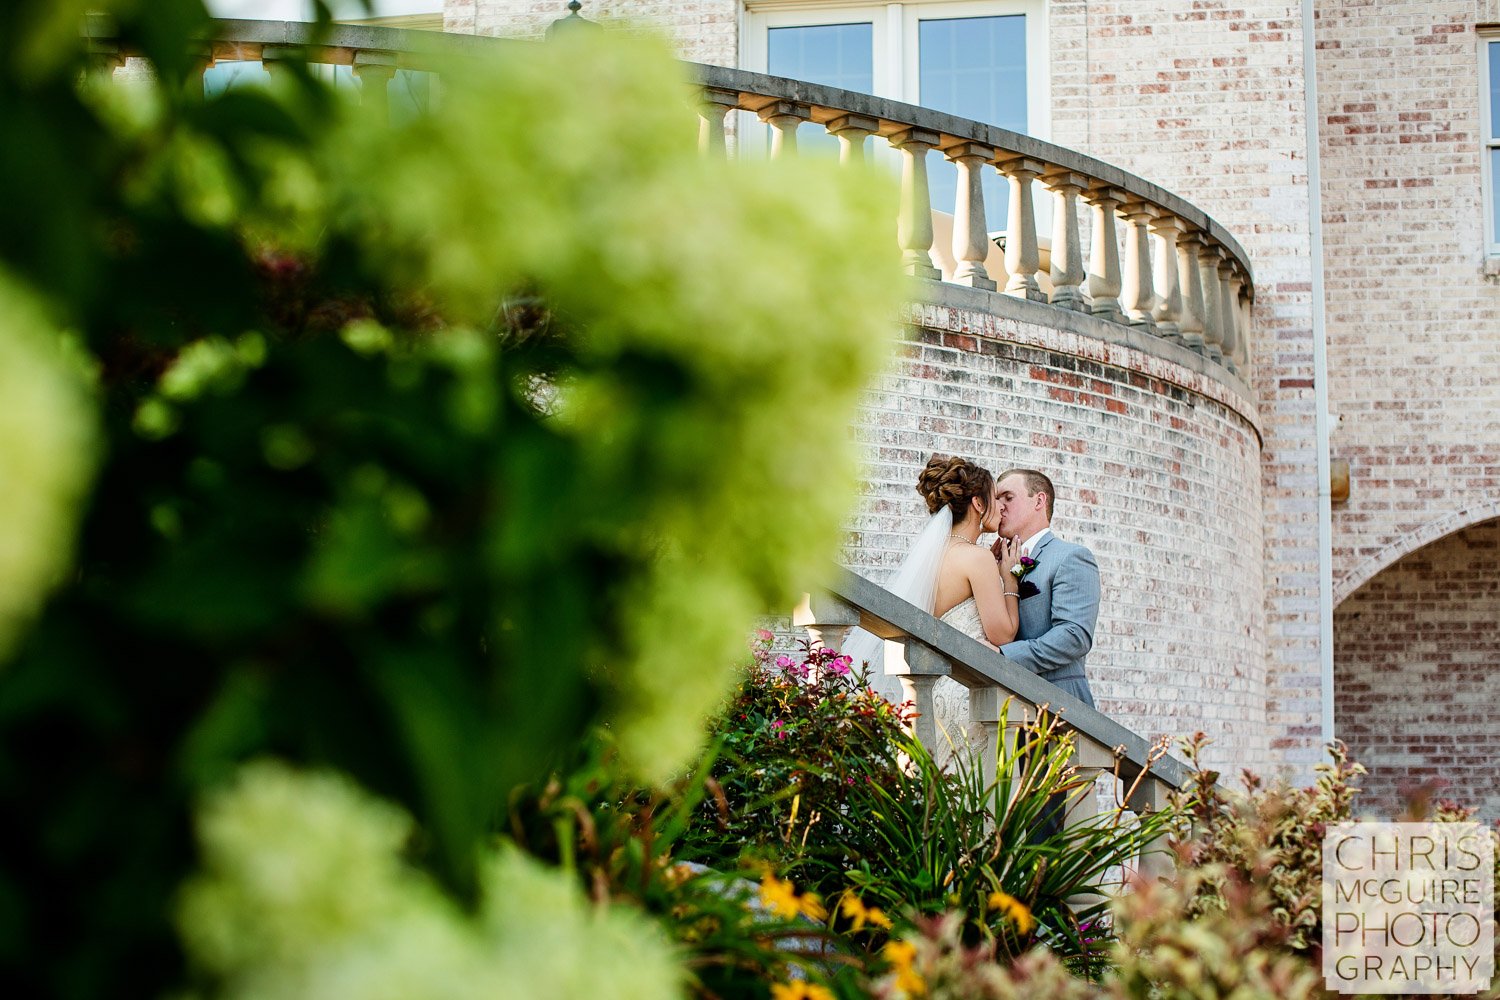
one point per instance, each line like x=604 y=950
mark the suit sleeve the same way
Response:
x=1075 y=611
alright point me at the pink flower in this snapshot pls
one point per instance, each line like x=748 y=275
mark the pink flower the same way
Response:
x=764 y=635
x=784 y=662
x=840 y=665
x=779 y=728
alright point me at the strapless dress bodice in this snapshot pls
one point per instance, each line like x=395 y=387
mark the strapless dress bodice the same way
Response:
x=964 y=616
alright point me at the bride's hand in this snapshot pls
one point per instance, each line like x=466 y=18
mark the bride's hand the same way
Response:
x=1007 y=552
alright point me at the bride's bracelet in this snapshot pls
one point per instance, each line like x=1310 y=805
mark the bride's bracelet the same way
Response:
x=1012 y=593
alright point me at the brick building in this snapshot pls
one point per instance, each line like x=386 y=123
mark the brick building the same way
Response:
x=1240 y=590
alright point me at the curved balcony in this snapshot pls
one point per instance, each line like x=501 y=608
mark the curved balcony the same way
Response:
x=1194 y=289
x=1162 y=280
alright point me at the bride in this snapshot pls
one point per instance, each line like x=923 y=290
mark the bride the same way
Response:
x=969 y=591
x=947 y=572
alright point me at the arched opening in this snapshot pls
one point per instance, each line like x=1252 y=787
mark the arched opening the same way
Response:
x=1417 y=674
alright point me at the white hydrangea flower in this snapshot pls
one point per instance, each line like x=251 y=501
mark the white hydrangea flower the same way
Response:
x=305 y=896
x=47 y=452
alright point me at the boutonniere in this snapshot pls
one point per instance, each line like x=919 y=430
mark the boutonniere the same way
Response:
x=1020 y=569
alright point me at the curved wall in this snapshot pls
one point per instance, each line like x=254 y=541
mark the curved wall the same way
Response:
x=1156 y=457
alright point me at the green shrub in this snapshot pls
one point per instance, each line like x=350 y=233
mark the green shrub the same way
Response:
x=796 y=745
x=1271 y=836
x=422 y=448
x=954 y=842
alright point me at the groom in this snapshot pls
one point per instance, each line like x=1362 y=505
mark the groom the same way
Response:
x=1059 y=601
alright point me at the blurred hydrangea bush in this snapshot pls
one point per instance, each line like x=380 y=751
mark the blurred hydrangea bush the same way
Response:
x=424 y=447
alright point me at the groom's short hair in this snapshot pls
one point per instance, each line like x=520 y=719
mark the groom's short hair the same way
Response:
x=1036 y=482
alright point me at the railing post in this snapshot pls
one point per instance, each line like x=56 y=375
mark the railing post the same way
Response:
x=1140 y=294
x=1023 y=254
x=1191 y=280
x=914 y=225
x=985 y=708
x=375 y=71
x=919 y=675
x=852 y=131
x=1213 y=316
x=276 y=58
x=971 y=241
x=827 y=619
x=1153 y=795
x=1241 y=323
x=1092 y=759
x=1229 y=298
x=784 y=117
x=1104 y=256
x=714 y=105
x=1067 y=242
x=1168 y=310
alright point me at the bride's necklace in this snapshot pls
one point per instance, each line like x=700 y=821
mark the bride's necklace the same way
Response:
x=961 y=538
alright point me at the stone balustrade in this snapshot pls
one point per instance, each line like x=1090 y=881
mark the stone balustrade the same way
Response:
x=1001 y=693
x=1179 y=276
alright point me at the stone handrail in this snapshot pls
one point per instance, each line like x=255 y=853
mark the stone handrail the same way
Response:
x=1191 y=290
x=935 y=649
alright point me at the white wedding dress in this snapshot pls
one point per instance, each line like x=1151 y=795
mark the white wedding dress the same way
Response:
x=916 y=582
x=950 y=697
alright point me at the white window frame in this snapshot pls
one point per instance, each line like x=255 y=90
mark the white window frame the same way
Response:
x=895 y=41
x=1491 y=142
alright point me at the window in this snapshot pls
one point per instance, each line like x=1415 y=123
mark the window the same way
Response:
x=979 y=59
x=1489 y=53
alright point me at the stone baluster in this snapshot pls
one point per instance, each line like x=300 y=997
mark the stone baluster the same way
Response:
x=1023 y=254
x=1139 y=296
x=852 y=131
x=1168 y=309
x=1067 y=243
x=1213 y=317
x=828 y=621
x=714 y=106
x=1152 y=795
x=375 y=70
x=914 y=225
x=989 y=708
x=1104 y=256
x=1229 y=303
x=276 y=58
x=1241 y=323
x=1092 y=760
x=971 y=241
x=1191 y=280
x=784 y=117
x=919 y=675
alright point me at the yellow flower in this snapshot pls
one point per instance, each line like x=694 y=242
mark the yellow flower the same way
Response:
x=900 y=955
x=855 y=909
x=781 y=899
x=1015 y=911
x=800 y=991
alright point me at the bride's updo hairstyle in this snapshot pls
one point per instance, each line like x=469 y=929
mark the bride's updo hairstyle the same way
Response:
x=952 y=482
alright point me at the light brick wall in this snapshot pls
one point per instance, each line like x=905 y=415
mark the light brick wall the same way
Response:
x=1415 y=381
x=704 y=31
x=1205 y=97
x=1417 y=646
x=1412 y=321
x=1158 y=471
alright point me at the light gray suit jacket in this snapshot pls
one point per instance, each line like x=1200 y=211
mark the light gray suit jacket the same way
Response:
x=1057 y=622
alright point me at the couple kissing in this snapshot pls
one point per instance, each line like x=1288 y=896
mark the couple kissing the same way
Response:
x=1031 y=595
